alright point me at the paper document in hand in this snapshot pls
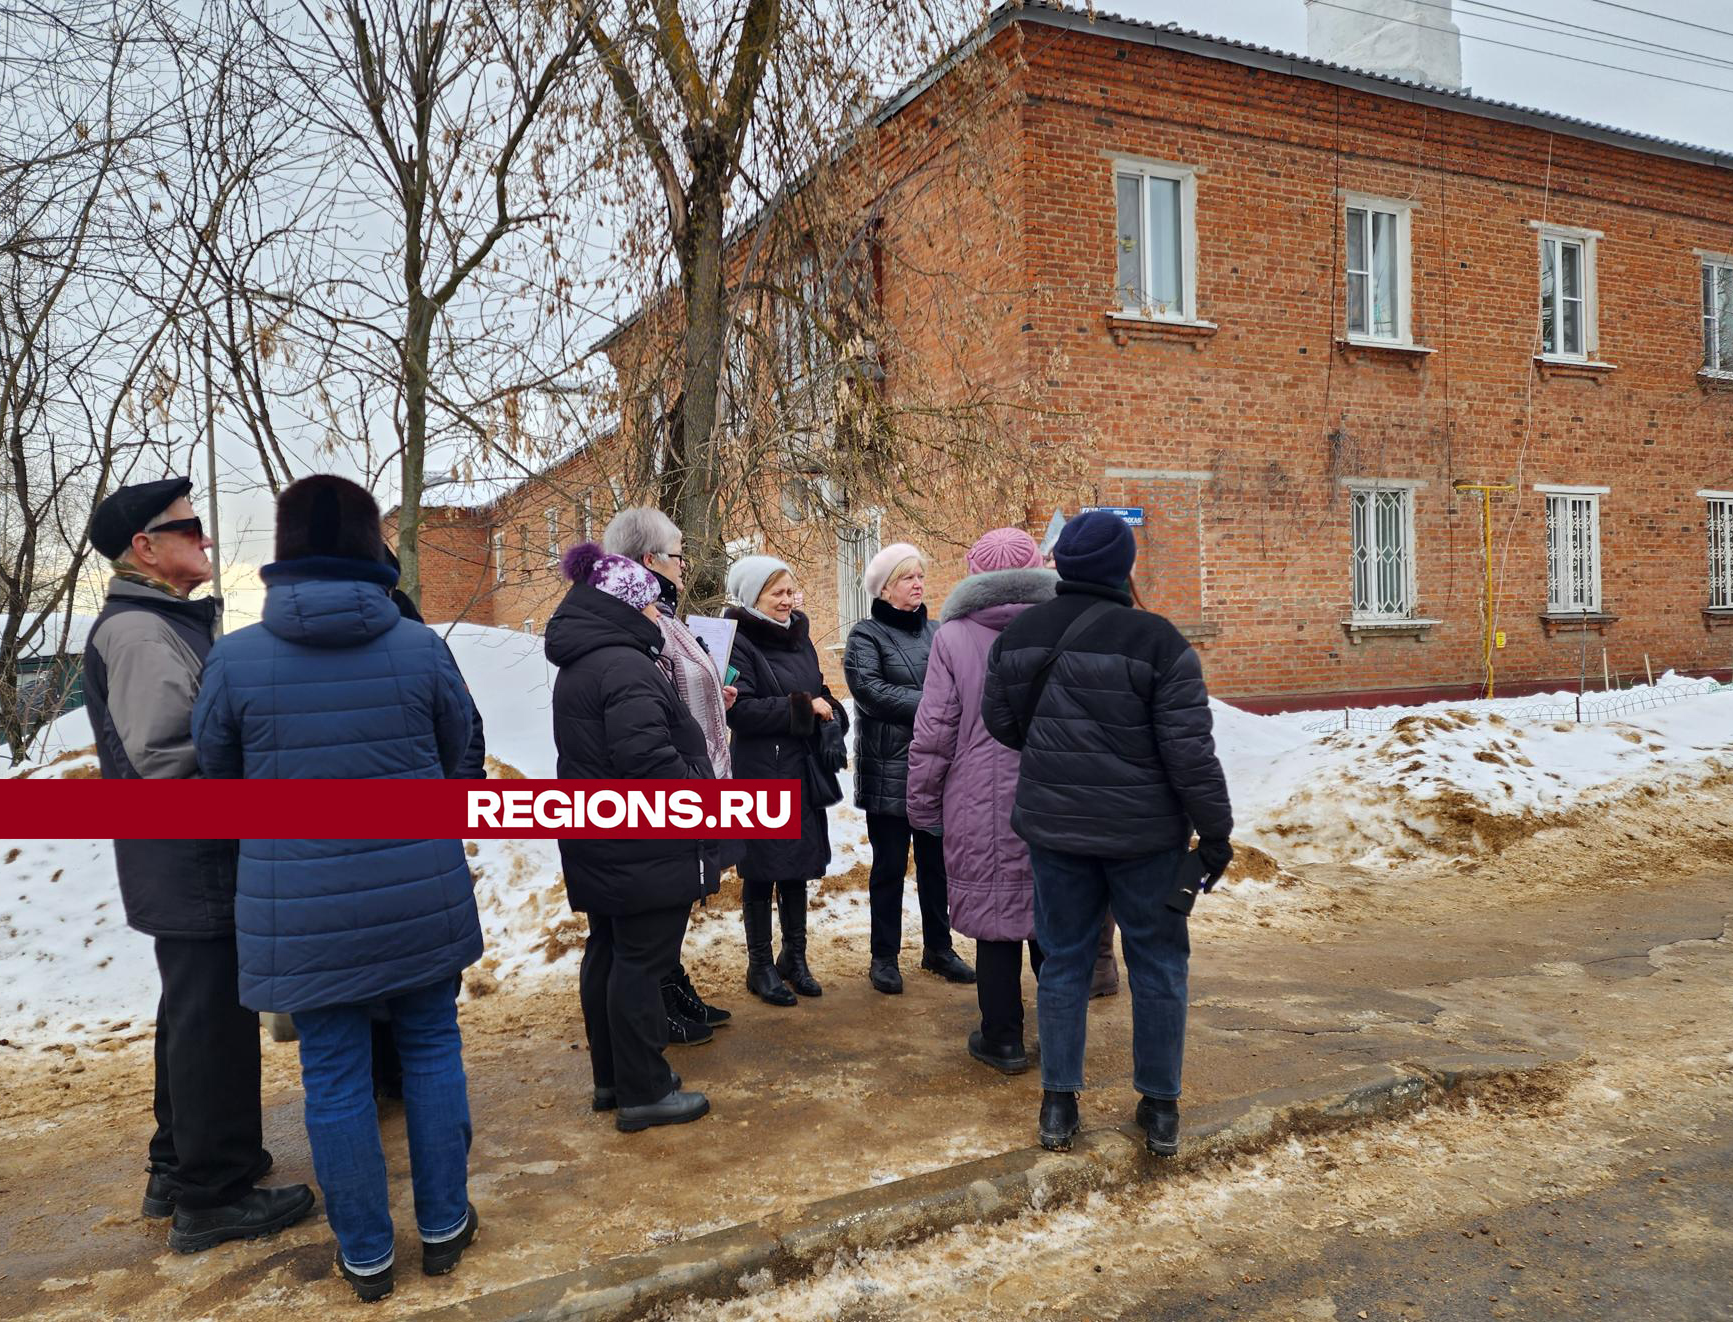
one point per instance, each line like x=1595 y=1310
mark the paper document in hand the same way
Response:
x=716 y=634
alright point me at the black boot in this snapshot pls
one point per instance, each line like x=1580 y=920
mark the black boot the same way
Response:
x=1160 y=1121
x=684 y=1032
x=948 y=965
x=1059 y=1124
x=687 y=1002
x=886 y=977
x=438 y=1259
x=791 y=962
x=251 y=1216
x=1007 y=1058
x=371 y=1287
x=762 y=979
x=161 y=1192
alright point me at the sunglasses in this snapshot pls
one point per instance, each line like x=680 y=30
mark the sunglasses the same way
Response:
x=193 y=527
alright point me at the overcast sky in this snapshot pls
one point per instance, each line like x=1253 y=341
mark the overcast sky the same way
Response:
x=1538 y=74
x=1499 y=59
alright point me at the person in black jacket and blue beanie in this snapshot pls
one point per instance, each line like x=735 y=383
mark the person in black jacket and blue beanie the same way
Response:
x=1118 y=769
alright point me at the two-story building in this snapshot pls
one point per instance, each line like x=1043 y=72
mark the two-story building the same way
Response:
x=1357 y=354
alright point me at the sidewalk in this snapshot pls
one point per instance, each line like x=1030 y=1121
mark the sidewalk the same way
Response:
x=851 y=1091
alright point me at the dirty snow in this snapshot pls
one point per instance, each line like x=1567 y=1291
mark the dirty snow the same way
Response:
x=1446 y=779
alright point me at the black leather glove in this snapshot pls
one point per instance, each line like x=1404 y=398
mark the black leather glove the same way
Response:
x=1216 y=855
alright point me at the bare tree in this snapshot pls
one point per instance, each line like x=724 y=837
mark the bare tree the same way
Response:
x=769 y=349
x=83 y=312
x=442 y=122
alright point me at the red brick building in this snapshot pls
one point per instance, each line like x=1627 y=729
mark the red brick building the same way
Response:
x=1298 y=309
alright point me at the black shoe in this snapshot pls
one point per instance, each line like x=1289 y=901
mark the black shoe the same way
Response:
x=371 y=1287
x=606 y=1099
x=677 y=1108
x=251 y=1216
x=438 y=1259
x=791 y=961
x=684 y=1032
x=1005 y=1059
x=886 y=977
x=1059 y=1123
x=682 y=998
x=762 y=979
x=161 y=1191
x=948 y=966
x=1160 y=1121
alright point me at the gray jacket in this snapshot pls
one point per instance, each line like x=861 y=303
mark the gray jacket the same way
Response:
x=142 y=665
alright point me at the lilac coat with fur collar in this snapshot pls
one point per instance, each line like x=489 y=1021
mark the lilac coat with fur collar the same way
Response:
x=960 y=777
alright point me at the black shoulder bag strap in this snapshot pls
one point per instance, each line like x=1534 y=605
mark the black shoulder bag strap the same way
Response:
x=1038 y=681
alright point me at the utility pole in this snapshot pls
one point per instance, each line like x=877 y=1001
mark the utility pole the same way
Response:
x=1486 y=489
x=211 y=481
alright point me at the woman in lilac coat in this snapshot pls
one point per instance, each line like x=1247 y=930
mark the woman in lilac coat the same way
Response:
x=962 y=783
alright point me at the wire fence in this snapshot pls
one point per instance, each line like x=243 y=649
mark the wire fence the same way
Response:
x=1586 y=709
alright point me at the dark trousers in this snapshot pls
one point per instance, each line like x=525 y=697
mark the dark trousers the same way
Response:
x=208 y=1128
x=890 y=836
x=620 y=988
x=1072 y=893
x=759 y=891
x=999 y=989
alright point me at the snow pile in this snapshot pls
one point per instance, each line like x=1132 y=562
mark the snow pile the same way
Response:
x=1451 y=779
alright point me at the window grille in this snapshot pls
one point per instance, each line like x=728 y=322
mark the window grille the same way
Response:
x=1721 y=554
x=1573 y=556
x=856 y=544
x=1383 y=553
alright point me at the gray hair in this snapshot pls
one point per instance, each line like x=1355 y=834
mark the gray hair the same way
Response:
x=640 y=531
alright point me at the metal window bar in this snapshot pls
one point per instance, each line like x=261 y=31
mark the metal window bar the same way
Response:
x=1573 y=554
x=856 y=545
x=1383 y=562
x=1720 y=554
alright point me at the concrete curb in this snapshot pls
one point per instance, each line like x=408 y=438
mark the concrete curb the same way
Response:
x=717 y=1265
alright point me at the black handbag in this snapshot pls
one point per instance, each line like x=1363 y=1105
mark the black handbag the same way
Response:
x=826 y=754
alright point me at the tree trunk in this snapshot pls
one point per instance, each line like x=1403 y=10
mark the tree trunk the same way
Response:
x=417 y=337
x=697 y=467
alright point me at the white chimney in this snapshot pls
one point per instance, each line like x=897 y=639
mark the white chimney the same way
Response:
x=1412 y=39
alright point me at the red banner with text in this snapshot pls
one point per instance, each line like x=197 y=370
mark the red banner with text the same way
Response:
x=54 y=809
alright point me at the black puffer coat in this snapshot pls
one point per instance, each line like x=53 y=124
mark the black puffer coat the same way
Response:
x=886 y=665
x=616 y=717
x=1119 y=760
x=774 y=726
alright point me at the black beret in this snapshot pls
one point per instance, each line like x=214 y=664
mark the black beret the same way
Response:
x=128 y=509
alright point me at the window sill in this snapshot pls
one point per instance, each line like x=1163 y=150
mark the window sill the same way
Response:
x=1715 y=380
x=1127 y=326
x=1353 y=348
x=1717 y=617
x=1579 y=622
x=1588 y=369
x=1360 y=630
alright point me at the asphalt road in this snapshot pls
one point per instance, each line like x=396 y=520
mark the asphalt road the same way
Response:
x=1655 y=1244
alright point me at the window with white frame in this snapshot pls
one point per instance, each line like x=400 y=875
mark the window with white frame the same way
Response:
x=1720 y=549
x=584 y=515
x=1379 y=266
x=1567 y=293
x=1573 y=551
x=1155 y=240
x=857 y=542
x=552 y=516
x=499 y=557
x=1382 y=542
x=1718 y=317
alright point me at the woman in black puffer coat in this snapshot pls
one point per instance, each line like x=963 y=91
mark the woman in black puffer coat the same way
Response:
x=886 y=666
x=782 y=701
x=617 y=717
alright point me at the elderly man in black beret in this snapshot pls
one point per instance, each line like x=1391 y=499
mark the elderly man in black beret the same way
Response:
x=141 y=674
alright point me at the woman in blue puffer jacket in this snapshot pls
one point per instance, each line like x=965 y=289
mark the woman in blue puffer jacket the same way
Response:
x=335 y=683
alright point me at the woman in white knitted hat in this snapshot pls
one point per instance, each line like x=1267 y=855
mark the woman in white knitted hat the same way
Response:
x=782 y=701
x=886 y=665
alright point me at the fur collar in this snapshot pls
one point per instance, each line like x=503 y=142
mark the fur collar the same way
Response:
x=765 y=634
x=908 y=621
x=999 y=587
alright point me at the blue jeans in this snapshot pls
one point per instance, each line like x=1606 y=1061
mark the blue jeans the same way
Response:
x=343 y=1126
x=1072 y=893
